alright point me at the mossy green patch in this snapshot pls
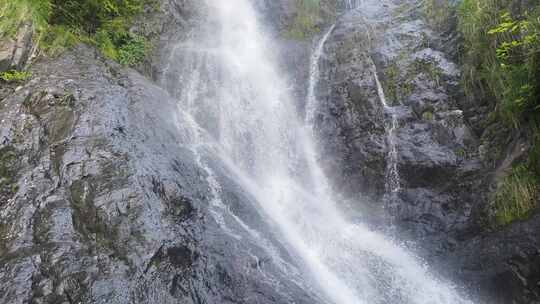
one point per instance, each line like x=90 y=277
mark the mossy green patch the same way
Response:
x=391 y=83
x=15 y=76
x=59 y=38
x=461 y=152
x=427 y=68
x=427 y=116
x=398 y=85
x=8 y=173
x=305 y=23
x=90 y=222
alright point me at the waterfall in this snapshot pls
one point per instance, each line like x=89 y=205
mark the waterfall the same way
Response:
x=392 y=173
x=351 y=4
x=314 y=74
x=228 y=81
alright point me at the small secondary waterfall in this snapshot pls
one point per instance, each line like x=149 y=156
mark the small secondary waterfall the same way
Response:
x=229 y=83
x=314 y=74
x=392 y=173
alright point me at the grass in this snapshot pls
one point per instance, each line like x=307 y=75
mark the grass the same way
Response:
x=13 y=13
x=60 y=24
x=58 y=38
x=517 y=195
x=14 y=76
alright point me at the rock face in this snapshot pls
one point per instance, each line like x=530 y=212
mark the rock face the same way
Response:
x=419 y=85
x=15 y=51
x=103 y=201
x=504 y=267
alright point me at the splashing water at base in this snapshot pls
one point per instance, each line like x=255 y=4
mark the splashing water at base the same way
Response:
x=232 y=86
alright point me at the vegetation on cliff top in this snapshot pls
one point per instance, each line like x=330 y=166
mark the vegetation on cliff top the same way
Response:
x=60 y=24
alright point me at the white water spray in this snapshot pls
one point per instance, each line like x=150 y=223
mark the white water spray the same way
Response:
x=242 y=100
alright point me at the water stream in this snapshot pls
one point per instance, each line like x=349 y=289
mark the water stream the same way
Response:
x=392 y=173
x=229 y=83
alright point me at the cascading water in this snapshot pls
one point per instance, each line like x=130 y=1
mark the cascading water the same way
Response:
x=392 y=173
x=351 y=4
x=229 y=83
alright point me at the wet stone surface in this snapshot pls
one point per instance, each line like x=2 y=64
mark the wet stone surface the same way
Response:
x=103 y=202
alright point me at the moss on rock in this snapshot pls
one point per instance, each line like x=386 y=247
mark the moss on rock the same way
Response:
x=8 y=171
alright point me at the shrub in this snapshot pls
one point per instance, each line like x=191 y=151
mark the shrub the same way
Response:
x=60 y=24
x=501 y=57
x=15 y=76
x=501 y=64
x=59 y=38
x=133 y=50
x=15 y=12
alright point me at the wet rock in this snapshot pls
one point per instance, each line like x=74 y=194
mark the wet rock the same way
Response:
x=103 y=201
x=503 y=266
x=8 y=173
x=15 y=51
x=350 y=118
x=430 y=131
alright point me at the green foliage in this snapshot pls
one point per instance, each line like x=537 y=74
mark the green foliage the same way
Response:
x=58 y=39
x=133 y=50
x=60 y=24
x=501 y=64
x=305 y=23
x=501 y=56
x=15 y=76
x=91 y=15
x=517 y=43
x=516 y=197
x=106 y=45
x=13 y=13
